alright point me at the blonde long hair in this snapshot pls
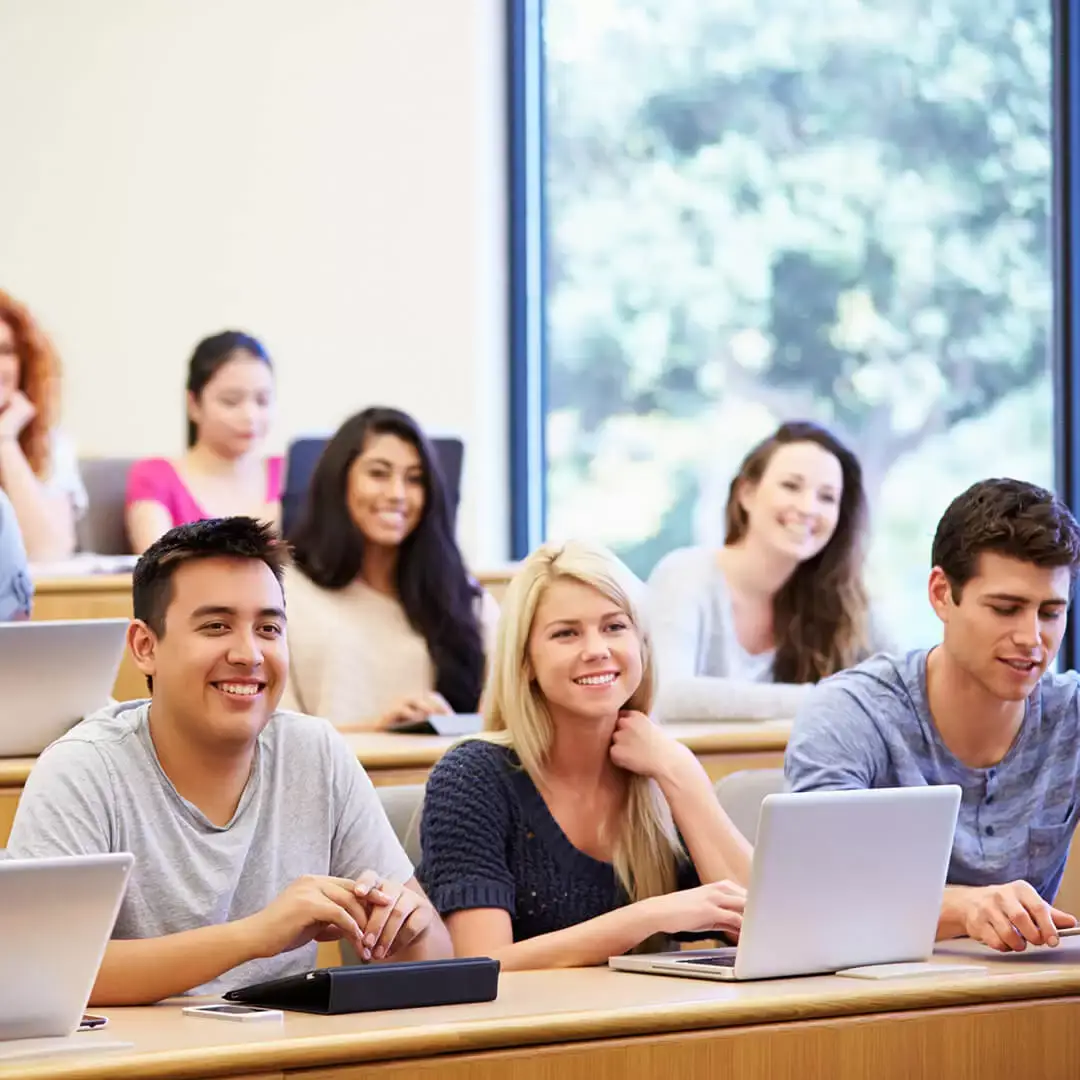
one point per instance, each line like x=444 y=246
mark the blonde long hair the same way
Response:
x=647 y=847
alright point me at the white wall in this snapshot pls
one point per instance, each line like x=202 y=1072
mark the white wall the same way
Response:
x=328 y=175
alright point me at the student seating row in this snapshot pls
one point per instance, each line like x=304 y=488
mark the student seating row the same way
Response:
x=1017 y=1017
x=391 y=760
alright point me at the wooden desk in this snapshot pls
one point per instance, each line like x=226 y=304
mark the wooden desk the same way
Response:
x=1019 y=1019
x=108 y=596
x=407 y=759
x=83 y=596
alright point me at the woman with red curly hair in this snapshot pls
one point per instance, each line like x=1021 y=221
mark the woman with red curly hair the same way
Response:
x=38 y=469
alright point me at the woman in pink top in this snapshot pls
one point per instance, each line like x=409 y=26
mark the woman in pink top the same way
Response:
x=230 y=398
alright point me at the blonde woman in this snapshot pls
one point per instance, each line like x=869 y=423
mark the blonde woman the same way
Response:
x=575 y=829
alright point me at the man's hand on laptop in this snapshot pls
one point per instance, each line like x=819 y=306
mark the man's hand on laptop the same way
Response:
x=1005 y=917
x=717 y=906
x=311 y=908
x=396 y=915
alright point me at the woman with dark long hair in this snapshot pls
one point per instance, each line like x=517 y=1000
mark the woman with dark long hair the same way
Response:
x=385 y=623
x=224 y=471
x=39 y=471
x=742 y=632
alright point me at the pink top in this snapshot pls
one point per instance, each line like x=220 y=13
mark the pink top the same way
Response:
x=155 y=480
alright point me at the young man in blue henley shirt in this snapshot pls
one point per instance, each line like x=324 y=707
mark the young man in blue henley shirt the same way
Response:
x=982 y=710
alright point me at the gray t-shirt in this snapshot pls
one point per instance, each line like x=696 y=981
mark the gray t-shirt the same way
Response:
x=870 y=727
x=308 y=808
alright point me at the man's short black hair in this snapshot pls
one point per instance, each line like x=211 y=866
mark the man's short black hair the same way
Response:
x=1005 y=517
x=229 y=538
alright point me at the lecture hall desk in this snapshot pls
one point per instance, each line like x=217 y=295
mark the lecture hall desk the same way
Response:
x=105 y=596
x=1020 y=1019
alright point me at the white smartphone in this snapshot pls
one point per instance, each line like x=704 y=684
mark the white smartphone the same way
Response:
x=234 y=1012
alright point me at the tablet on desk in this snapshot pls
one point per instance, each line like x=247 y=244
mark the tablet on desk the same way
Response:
x=453 y=726
x=373 y=987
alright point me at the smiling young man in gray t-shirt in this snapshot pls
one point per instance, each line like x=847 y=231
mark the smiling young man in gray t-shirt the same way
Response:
x=255 y=832
x=981 y=710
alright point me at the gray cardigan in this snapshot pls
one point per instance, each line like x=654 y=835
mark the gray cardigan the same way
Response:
x=703 y=671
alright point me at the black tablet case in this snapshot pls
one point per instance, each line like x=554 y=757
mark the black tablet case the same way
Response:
x=371 y=987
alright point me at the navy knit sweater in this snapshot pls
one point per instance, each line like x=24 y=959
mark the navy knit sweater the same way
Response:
x=489 y=841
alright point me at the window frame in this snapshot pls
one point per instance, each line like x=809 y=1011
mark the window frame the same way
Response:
x=1066 y=359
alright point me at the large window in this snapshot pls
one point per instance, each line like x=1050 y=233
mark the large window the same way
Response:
x=760 y=210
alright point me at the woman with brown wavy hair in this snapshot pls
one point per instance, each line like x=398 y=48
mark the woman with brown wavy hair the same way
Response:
x=38 y=469
x=742 y=631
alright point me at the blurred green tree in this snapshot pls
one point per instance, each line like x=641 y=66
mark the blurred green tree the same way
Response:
x=837 y=209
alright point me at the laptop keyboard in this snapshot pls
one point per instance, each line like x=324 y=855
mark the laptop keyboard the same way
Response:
x=710 y=961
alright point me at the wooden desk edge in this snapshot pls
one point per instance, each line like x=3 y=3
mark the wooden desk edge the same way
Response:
x=746 y=738
x=417 y=751
x=14 y=772
x=84 y=583
x=423 y=1042
x=493 y=577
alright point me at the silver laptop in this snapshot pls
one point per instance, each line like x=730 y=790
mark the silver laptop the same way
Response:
x=53 y=674
x=56 y=917
x=840 y=879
